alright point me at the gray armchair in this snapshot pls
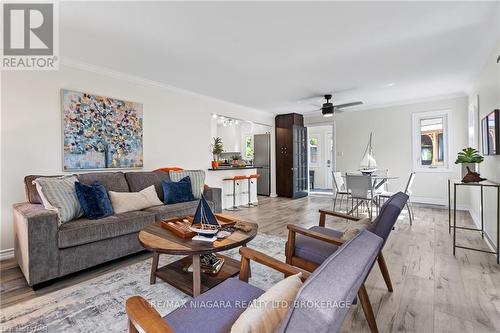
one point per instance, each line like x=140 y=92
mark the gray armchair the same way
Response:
x=309 y=248
x=337 y=281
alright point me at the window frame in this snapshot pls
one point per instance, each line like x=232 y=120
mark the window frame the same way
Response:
x=416 y=140
x=245 y=146
x=318 y=151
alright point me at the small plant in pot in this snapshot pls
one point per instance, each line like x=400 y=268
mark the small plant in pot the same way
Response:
x=217 y=149
x=236 y=160
x=468 y=157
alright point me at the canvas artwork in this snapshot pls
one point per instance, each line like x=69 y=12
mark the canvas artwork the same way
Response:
x=100 y=132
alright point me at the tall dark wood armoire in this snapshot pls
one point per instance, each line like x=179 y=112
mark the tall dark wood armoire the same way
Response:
x=291 y=156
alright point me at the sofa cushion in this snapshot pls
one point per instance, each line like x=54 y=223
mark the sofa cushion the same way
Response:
x=32 y=194
x=112 y=181
x=83 y=231
x=315 y=250
x=180 y=209
x=138 y=181
x=231 y=294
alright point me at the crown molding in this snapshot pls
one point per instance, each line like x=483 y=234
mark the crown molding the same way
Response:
x=75 y=64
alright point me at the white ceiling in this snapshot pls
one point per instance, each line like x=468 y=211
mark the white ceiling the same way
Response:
x=273 y=55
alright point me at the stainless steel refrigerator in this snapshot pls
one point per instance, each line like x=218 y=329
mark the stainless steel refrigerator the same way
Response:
x=262 y=159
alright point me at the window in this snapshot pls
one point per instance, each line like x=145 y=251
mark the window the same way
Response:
x=313 y=151
x=249 y=146
x=430 y=141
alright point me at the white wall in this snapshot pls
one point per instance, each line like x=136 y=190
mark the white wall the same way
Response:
x=177 y=125
x=392 y=143
x=487 y=87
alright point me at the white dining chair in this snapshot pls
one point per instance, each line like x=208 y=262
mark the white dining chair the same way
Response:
x=387 y=194
x=340 y=189
x=361 y=188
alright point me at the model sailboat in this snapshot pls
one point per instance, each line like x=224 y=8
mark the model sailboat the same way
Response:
x=205 y=223
x=368 y=164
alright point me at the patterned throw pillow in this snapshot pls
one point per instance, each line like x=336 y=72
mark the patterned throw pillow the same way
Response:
x=197 y=178
x=59 y=194
x=355 y=228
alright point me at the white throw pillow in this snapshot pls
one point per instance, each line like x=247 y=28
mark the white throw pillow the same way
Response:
x=266 y=313
x=59 y=194
x=129 y=201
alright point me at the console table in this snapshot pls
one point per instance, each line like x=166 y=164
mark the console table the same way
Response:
x=456 y=184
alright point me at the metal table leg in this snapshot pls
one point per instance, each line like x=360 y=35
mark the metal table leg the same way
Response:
x=454 y=217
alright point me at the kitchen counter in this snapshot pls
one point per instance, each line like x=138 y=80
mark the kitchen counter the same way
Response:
x=226 y=168
x=217 y=179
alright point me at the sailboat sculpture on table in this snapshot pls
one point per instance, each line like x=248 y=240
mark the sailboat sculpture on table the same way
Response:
x=205 y=223
x=368 y=164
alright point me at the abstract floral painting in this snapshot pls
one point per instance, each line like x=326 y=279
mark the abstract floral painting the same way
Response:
x=100 y=132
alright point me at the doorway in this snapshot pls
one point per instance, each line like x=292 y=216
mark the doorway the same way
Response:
x=321 y=159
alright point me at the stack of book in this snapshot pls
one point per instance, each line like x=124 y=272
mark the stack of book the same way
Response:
x=210 y=264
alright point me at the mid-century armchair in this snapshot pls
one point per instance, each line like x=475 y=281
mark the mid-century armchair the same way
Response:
x=308 y=248
x=337 y=281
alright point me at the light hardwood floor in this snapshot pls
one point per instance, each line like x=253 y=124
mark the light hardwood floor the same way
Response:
x=433 y=290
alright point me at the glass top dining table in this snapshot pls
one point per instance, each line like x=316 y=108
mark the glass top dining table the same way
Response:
x=379 y=178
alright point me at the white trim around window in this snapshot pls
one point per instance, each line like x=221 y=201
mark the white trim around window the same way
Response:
x=417 y=153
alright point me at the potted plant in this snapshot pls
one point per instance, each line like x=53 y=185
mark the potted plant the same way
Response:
x=468 y=157
x=217 y=149
x=236 y=160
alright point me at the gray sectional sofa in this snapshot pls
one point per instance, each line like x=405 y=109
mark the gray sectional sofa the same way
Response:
x=45 y=251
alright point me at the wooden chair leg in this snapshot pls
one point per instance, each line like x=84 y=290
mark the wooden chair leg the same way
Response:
x=385 y=271
x=367 y=309
x=335 y=201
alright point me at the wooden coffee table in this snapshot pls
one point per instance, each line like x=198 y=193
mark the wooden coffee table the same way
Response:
x=159 y=240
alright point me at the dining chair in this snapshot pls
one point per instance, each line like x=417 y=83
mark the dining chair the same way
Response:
x=387 y=194
x=361 y=188
x=340 y=189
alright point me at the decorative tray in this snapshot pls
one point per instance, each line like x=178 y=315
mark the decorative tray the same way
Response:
x=179 y=226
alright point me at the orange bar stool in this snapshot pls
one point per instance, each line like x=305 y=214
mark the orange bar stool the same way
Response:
x=251 y=180
x=236 y=182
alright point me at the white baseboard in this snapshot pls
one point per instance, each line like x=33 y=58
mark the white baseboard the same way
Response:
x=6 y=254
x=436 y=201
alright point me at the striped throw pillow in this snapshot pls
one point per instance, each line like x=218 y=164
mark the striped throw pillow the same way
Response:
x=59 y=194
x=197 y=178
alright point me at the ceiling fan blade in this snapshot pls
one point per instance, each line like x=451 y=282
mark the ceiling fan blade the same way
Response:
x=347 y=105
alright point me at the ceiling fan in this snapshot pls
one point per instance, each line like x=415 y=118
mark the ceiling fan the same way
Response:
x=328 y=109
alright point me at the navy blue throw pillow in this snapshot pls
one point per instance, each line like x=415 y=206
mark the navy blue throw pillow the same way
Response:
x=176 y=192
x=94 y=200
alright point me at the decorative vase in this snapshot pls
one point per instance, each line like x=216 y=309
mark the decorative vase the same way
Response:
x=472 y=167
x=215 y=164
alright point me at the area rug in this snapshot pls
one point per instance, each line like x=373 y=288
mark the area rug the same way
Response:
x=98 y=305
